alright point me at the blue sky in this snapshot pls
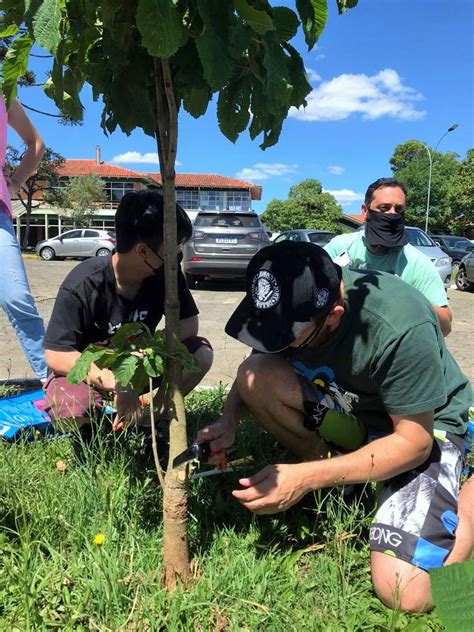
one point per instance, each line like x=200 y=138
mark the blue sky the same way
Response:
x=385 y=72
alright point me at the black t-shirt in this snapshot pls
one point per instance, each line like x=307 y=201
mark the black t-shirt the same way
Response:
x=88 y=308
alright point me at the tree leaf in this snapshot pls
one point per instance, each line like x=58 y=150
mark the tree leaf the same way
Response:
x=162 y=29
x=344 y=5
x=127 y=333
x=453 y=594
x=9 y=31
x=313 y=15
x=14 y=66
x=196 y=100
x=124 y=368
x=46 y=24
x=286 y=23
x=258 y=20
x=213 y=44
x=233 y=108
x=81 y=368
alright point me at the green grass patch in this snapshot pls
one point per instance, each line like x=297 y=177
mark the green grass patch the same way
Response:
x=306 y=569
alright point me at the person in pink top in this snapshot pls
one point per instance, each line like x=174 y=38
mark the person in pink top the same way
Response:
x=15 y=295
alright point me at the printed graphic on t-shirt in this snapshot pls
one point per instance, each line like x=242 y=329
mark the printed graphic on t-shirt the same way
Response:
x=332 y=396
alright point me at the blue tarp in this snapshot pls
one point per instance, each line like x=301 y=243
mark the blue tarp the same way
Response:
x=22 y=415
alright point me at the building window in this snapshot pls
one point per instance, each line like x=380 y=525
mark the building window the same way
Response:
x=188 y=199
x=238 y=201
x=115 y=191
x=212 y=200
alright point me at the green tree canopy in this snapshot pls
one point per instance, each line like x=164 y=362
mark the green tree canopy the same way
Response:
x=461 y=196
x=80 y=198
x=410 y=164
x=40 y=186
x=307 y=206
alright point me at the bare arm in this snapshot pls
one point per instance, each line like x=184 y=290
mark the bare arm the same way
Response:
x=278 y=487
x=19 y=121
x=445 y=317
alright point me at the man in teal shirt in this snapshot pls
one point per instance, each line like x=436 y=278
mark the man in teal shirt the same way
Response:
x=368 y=349
x=383 y=246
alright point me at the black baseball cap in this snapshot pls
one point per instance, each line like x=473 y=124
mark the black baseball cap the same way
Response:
x=287 y=285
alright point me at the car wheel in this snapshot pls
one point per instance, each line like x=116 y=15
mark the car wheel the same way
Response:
x=462 y=282
x=47 y=254
x=102 y=252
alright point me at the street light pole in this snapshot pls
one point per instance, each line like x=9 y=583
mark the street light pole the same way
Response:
x=450 y=129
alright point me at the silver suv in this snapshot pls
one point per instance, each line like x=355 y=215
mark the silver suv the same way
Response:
x=222 y=244
x=80 y=242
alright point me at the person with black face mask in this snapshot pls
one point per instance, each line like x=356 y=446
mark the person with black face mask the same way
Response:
x=383 y=246
x=103 y=293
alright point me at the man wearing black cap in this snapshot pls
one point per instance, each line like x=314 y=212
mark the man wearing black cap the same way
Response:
x=356 y=357
x=103 y=293
x=383 y=246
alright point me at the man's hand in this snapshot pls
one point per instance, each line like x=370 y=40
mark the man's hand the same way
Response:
x=221 y=436
x=128 y=408
x=273 y=489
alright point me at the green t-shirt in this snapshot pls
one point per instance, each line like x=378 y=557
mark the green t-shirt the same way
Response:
x=408 y=263
x=388 y=356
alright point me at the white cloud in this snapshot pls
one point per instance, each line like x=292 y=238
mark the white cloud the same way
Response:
x=149 y=158
x=373 y=97
x=336 y=170
x=264 y=170
x=345 y=196
x=313 y=75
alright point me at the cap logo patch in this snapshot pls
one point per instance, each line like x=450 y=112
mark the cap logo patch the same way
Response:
x=265 y=290
x=321 y=298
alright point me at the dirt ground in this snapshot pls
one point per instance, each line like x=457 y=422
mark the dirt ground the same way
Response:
x=216 y=301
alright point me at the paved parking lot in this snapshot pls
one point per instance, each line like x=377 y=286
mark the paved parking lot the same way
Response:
x=216 y=302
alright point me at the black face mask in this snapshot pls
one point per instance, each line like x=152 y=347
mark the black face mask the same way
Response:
x=384 y=231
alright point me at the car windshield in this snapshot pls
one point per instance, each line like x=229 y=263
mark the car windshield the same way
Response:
x=417 y=237
x=227 y=220
x=458 y=242
x=321 y=238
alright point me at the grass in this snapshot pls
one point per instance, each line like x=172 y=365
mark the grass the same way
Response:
x=307 y=569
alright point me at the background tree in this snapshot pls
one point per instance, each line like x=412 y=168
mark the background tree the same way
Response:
x=81 y=197
x=145 y=59
x=461 y=196
x=410 y=164
x=42 y=181
x=307 y=206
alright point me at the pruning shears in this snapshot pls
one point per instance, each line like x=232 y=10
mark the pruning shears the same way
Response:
x=199 y=453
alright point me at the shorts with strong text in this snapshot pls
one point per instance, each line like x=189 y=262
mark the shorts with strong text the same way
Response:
x=417 y=517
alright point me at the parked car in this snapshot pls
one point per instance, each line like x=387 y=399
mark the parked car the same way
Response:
x=455 y=247
x=222 y=244
x=319 y=237
x=80 y=242
x=423 y=242
x=465 y=275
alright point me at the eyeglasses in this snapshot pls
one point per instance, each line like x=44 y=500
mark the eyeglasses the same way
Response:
x=310 y=337
x=155 y=253
x=385 y=208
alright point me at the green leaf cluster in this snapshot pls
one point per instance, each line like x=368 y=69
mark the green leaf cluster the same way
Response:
x=238 y=50
x=307 y=206
x=134 y=356
x=80 y=198
x=453 y=595
x=451 y=192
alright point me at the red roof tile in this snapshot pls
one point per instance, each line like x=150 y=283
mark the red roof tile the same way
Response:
x=359 y=217
x=212 y=181
x=78 y=167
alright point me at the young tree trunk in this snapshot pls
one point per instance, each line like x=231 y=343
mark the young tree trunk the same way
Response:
x=26 y=236
x=175 y=500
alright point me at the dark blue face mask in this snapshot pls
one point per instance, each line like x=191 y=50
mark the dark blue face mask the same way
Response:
x=385 y=231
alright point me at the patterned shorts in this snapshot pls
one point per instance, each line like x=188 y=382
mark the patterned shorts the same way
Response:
x=417 y=516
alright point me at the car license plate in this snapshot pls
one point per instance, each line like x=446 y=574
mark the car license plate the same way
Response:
x=225 y=240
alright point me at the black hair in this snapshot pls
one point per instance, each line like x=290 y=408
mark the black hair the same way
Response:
x=139 y=218
x=381 y=183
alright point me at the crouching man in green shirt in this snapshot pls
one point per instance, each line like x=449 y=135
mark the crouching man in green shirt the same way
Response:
x=356 y=357
x=383 y=246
